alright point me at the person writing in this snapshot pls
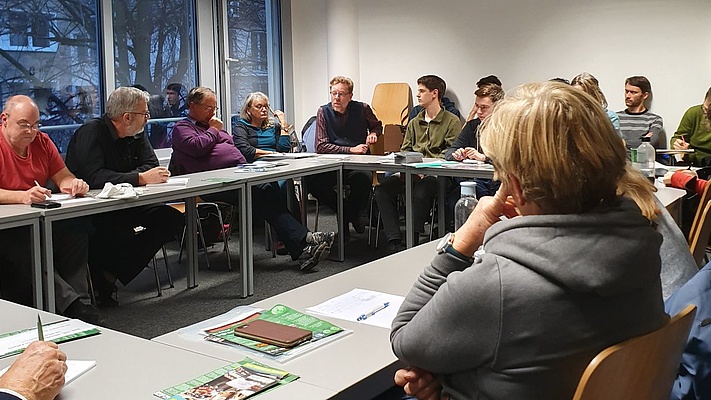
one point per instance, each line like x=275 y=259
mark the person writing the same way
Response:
x=540 y=291
x=694 y=132
x=37 y=374
x=28 y=162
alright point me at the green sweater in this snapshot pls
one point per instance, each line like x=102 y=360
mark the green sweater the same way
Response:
x=434 y=138
x=697 y=132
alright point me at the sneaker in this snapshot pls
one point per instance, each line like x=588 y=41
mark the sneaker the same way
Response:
x=317 y=252
x=323 y=237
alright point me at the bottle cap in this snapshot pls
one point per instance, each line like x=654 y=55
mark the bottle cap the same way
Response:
x=467 y=188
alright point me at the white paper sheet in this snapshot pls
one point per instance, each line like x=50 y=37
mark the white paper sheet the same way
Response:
x=68 y=199
x=75 y=369
x=358 y=302
x=174 y=181
x=21 y=340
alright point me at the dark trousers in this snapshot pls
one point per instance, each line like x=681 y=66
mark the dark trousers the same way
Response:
x=70 y=243
x=355 y=204
x=423 y=192
x=120 y=249
x=269 y=203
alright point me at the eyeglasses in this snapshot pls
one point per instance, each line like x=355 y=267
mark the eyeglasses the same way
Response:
x=208 y=108
x=145 y=114
x=26 y=126
x=340 y=94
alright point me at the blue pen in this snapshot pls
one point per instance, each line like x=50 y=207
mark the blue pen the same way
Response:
x=374 y=311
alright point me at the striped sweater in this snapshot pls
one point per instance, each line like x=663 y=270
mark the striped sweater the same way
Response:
x=635 y=125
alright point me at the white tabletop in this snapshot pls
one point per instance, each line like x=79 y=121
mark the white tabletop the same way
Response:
x=357 y=366
x=128 y=367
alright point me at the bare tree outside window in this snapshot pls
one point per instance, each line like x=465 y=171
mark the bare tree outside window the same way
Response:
x=39 y=40
x=154 y=46
x=247 y=40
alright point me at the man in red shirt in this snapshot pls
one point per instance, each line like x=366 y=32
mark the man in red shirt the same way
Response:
x=28 y=160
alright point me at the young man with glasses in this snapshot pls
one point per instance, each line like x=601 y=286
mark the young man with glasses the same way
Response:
x=345 y=126
x=114 y=149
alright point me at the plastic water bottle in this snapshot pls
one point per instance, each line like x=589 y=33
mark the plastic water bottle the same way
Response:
x=645 y=159
x=465 y=204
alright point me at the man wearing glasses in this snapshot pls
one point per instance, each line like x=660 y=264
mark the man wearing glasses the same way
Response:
x=115 y=149
x=28 y=161
x=345 y=126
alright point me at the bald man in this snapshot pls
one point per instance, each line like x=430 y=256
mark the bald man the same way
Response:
x=28 y=161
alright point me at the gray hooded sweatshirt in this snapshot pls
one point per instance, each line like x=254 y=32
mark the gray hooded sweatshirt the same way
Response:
x=550 y=292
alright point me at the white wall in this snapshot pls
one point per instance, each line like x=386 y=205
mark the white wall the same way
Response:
x=519 y=41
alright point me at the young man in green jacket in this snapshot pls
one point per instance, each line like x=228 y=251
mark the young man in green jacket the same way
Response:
x=431 y=133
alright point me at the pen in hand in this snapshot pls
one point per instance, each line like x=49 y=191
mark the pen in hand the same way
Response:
x=40 y=332
x=40 y=186
x=374 y=311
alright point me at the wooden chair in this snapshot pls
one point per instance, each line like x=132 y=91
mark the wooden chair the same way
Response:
x=699 y=237
x=705 y=197
x=641 y=368
x=391 y=103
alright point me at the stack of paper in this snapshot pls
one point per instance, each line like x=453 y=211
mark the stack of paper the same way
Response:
x=361 y=305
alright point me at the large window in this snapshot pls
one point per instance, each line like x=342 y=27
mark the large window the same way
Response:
x=154 y=47
x=40 y=41
x=251 y=39
x=51 y=50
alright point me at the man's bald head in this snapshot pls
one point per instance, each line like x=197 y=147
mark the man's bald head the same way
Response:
x=19 y=101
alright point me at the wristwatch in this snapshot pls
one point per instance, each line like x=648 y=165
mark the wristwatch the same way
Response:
x=445 y=246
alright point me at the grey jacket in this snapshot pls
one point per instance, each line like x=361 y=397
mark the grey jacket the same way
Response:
x=549 y=293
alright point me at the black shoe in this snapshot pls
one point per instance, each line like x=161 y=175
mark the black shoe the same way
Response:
x=107 y=298
x=281 y=249
x=106 y=293
x=84 y=312
x=395 y=246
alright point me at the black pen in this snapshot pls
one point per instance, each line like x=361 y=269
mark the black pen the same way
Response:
x=40 y=333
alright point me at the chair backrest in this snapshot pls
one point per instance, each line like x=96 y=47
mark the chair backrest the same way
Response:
x=390 y=141
x=308 y=135
x=700 y=237
x=703 y=199
x=392 y=102
x=641 y=368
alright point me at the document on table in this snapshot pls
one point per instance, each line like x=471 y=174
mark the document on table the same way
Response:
x=68 y=199
x=75 y=369
x=180 y=182
x=61 y=331
x=287 y=156
x=341 y=157
x=352 y=306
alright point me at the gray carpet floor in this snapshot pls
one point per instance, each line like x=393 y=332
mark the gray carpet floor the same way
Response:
x=142 y=313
